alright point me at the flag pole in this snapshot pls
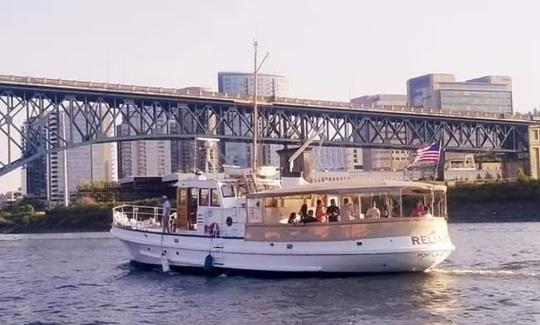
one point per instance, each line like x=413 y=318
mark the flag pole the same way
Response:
x=437 y=178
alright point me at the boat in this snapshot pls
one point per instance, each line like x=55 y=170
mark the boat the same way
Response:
x=240 y=224
x=253 y=221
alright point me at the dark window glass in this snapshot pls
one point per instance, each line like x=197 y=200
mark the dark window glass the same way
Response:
x=203 y=197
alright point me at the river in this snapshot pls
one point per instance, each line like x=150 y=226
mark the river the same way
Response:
x=86 y=278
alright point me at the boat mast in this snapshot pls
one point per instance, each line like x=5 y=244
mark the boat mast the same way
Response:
x=255 y=115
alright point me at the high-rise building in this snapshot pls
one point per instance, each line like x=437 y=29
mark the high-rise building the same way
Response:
x=382 y=159
x=34 y=173
x=143 y=157
x=44 y=177
x=441 y=91
x=243 y=84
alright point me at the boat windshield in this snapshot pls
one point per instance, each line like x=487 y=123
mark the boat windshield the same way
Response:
x=348 y=207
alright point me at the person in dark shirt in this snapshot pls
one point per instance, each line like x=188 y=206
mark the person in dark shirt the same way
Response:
x=332 y=211
x=304 y=215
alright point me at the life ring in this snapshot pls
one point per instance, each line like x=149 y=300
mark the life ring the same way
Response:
x=212 y=229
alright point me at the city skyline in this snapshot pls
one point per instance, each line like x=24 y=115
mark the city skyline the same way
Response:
x=328 y=51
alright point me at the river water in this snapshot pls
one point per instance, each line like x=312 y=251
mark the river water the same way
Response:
x=492 y=277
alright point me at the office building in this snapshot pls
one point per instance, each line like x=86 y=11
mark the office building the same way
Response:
x=243 y=84
x=143 y=157
x=381 y=100
x=380 y=159
x=491 y=94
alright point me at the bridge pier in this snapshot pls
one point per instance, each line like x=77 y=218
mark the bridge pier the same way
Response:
x=534 y=151
x=302 y=165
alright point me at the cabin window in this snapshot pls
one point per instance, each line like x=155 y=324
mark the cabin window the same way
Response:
x=214 y=197
x=380 y=205
x=204 y=197
x=227 y=191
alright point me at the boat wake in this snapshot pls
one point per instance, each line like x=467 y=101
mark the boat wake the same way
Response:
x=487 y=273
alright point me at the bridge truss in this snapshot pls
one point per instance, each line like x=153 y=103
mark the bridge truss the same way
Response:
x=36 y=120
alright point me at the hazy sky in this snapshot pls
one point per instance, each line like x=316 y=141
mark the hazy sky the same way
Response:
x=328 y=49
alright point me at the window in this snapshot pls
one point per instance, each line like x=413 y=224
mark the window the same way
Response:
x=203 y=197
x=227 y=190
x=215 y=197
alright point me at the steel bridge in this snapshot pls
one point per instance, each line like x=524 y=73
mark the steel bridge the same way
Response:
x=33 y=111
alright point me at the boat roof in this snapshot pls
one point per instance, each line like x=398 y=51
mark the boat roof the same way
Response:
x=348 y=186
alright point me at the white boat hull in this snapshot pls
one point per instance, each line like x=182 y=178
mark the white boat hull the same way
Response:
x=371 y=255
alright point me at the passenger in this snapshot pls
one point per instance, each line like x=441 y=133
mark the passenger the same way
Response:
x=304 y=215
x=373 y=212
x=387 y=209
x=292 y=218
x=166 y=212
x=332 y=211
x=419 y=209
x=347 y=211
x=319 y=212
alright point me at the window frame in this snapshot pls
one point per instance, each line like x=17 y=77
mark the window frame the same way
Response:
x=216 y=192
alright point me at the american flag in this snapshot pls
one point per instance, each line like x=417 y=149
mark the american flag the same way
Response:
x=430 y=153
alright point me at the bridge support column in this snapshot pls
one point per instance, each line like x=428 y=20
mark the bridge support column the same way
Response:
x=301 y=166
x=534 y=151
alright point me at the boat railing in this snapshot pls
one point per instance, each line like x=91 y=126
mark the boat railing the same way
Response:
x=140 y=217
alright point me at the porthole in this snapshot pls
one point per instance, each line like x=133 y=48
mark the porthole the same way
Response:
x=177 y=253
x=289 y=246
x=272 y=244
x=229 y=221
x=359 y=243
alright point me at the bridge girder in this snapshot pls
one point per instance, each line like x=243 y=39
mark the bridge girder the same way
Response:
x=31 y=120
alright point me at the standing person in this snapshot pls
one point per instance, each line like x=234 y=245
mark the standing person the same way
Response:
x=332 y=211
x=373 y=212
x=419 y=210
x=347 y=211
x=387 y=209
x=166 y=212
x=319 y=212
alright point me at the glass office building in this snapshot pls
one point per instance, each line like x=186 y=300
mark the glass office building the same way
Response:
x=491 y=94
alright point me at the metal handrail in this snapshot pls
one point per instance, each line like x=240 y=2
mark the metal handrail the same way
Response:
x=139 y=217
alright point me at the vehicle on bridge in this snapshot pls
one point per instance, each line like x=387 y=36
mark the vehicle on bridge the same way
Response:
x=334 y=227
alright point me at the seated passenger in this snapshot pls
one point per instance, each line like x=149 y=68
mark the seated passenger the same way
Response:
x=347 y=211
x=292 y=218
x=319 y=212
x=332 y=211
x=304 y=215
x=419 y=210
x=373 y=212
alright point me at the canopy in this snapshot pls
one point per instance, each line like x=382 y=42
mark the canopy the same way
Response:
x=348 y=186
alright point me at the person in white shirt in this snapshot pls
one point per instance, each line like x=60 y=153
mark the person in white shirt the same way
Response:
x=347 y=211
x=166 y=212
x=373 y=212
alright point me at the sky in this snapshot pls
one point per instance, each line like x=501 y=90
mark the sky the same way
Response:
x=332 y=50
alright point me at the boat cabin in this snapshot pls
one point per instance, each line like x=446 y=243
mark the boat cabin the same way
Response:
x=338 y=210
x=227 y=208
